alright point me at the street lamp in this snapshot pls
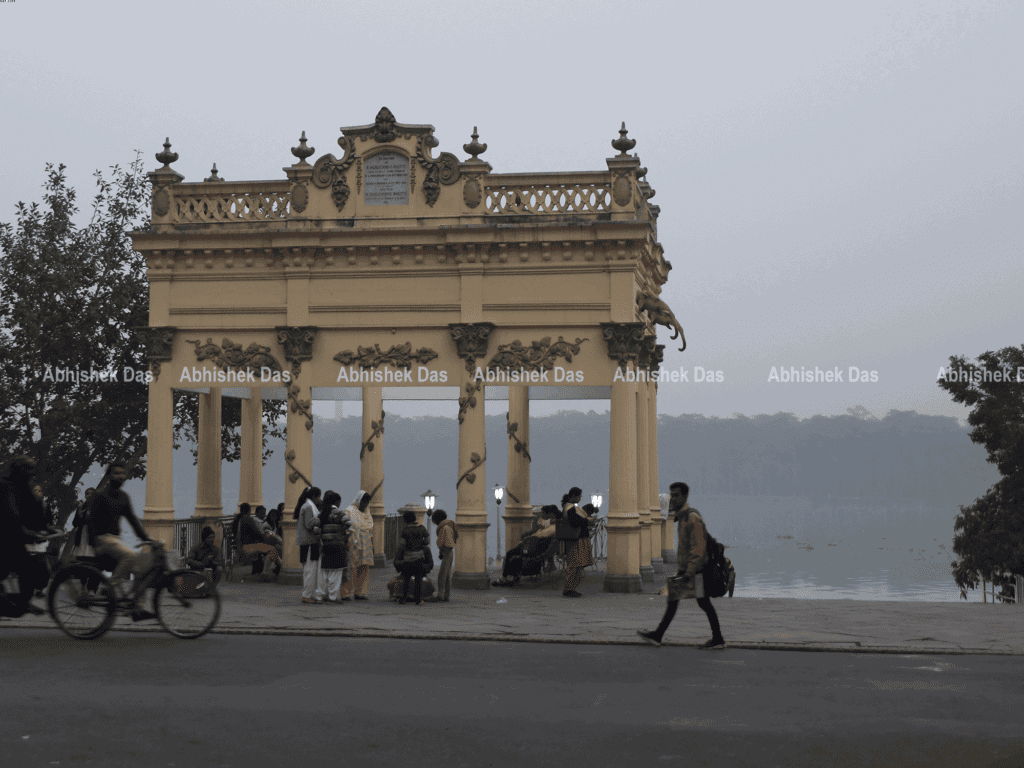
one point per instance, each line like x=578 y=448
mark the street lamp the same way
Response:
x=596 y=498
x=428 y=501
x=499 y=492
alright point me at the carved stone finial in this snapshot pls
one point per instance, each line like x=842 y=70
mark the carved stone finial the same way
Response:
x=213 y=174
x=302 y=151
x=384 y=126
x=474 y=148
x=470 y=340
x=622 y=143
x=166 y=157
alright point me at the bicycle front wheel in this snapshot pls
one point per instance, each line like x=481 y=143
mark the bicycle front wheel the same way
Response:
x=187 y=604
x=81 y=602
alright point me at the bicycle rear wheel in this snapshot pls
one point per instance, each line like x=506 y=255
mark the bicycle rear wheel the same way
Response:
x=82 y=613
x=187 y=604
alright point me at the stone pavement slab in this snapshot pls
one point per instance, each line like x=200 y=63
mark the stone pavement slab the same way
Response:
x=542 y=614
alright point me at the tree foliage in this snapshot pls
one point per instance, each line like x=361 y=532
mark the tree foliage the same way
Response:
x=989 y=538
x=72 y=297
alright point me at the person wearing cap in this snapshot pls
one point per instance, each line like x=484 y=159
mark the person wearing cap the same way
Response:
x=206 y=554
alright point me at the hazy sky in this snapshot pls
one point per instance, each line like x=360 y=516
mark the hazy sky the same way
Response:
x=840 y=183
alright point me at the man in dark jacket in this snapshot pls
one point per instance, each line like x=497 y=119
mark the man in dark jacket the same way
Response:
x=692 y=559
x=18 y=507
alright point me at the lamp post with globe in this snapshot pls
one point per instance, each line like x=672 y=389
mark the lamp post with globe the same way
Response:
x=429 y=499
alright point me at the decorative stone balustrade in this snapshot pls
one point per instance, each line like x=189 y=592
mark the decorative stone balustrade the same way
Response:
x=524 y=194
x=226 y=202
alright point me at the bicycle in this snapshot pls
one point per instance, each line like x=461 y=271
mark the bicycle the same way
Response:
x=84 y=602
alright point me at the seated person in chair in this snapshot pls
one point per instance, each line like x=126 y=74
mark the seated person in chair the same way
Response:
x=252 y=541
x=206 y=554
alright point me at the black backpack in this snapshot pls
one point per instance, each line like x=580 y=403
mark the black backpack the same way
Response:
x=716 y=572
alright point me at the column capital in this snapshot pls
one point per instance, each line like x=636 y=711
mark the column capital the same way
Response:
x=470 y=340
x=158 y=343
x=298 y=344
x=623 y=341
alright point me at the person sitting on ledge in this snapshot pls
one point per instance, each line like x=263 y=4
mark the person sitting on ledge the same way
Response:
x=206 y=554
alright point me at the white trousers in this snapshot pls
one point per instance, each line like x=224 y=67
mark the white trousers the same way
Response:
x=313 y=583
x=332 y=582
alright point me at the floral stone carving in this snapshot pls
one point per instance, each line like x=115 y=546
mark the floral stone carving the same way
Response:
x=384 y=126
x=399 y=356
x=520 y=447
x=470 y=474
x=298 y=344
x=540 y=355
x=231 y=355
x=377 y=428
x=329 y=171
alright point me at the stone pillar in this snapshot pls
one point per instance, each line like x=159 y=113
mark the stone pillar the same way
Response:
x=298 y=460
x=653 y=502
x=158 y=514
x=371 y=465
x=643 y=477
x=471 y=338
x=471 y=488
x=208 y=482
x=518 y=510
x=250 y=486
x=623 y=343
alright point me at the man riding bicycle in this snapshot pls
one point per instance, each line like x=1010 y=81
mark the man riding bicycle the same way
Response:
x=106 y=509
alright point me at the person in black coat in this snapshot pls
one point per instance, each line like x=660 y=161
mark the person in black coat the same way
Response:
x=413 y=559
x=19 y=507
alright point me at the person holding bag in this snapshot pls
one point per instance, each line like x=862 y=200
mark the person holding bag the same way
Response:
x=572 y=528
x=688 y=583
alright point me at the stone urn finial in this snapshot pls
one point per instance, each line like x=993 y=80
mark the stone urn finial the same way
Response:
x=166 y=157
x=622 y=143
x=302 y=151
x=474 y=147
x=213 y=175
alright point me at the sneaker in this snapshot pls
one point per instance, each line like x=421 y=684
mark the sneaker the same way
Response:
x=571 y=593
x=648 y=637
x=714 y=642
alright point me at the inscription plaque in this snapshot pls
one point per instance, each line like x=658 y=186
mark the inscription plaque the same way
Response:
x=386 y=179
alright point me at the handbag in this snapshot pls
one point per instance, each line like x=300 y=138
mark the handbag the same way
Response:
x=682 y=588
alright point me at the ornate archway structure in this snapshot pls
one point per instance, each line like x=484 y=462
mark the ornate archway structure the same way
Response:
x=390 y=266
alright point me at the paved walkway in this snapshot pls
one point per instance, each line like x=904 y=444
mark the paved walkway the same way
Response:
x=539 y=613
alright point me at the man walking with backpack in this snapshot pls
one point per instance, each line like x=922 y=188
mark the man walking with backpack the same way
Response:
x=689 y=581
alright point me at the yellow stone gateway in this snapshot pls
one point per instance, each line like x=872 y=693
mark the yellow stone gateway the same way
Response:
x=392 y=267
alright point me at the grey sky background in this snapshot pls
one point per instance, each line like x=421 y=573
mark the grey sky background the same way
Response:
x=840 y=183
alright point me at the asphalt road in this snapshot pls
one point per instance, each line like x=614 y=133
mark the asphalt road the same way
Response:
x=149 y=700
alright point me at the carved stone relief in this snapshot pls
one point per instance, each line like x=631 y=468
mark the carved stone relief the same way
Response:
x=540 y=355
x=623 y=341
x=470 y=341
x=398 y=356
x=231 y=355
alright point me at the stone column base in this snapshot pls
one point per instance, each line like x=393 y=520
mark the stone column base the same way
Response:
x=658 y=564
x=668 y=556
x=646 y=573
x=379 y=561
x=628 y=584
x=471 y=581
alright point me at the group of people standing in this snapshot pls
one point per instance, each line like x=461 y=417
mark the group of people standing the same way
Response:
x=332 y=541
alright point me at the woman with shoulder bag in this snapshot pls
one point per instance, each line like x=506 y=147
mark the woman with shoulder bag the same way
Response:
x=573 y=530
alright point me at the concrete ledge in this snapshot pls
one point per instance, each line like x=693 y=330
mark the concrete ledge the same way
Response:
x=627 y=584
x=647 y=573
x=471 y=581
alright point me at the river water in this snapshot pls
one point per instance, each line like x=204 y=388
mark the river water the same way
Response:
x=795 y=547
